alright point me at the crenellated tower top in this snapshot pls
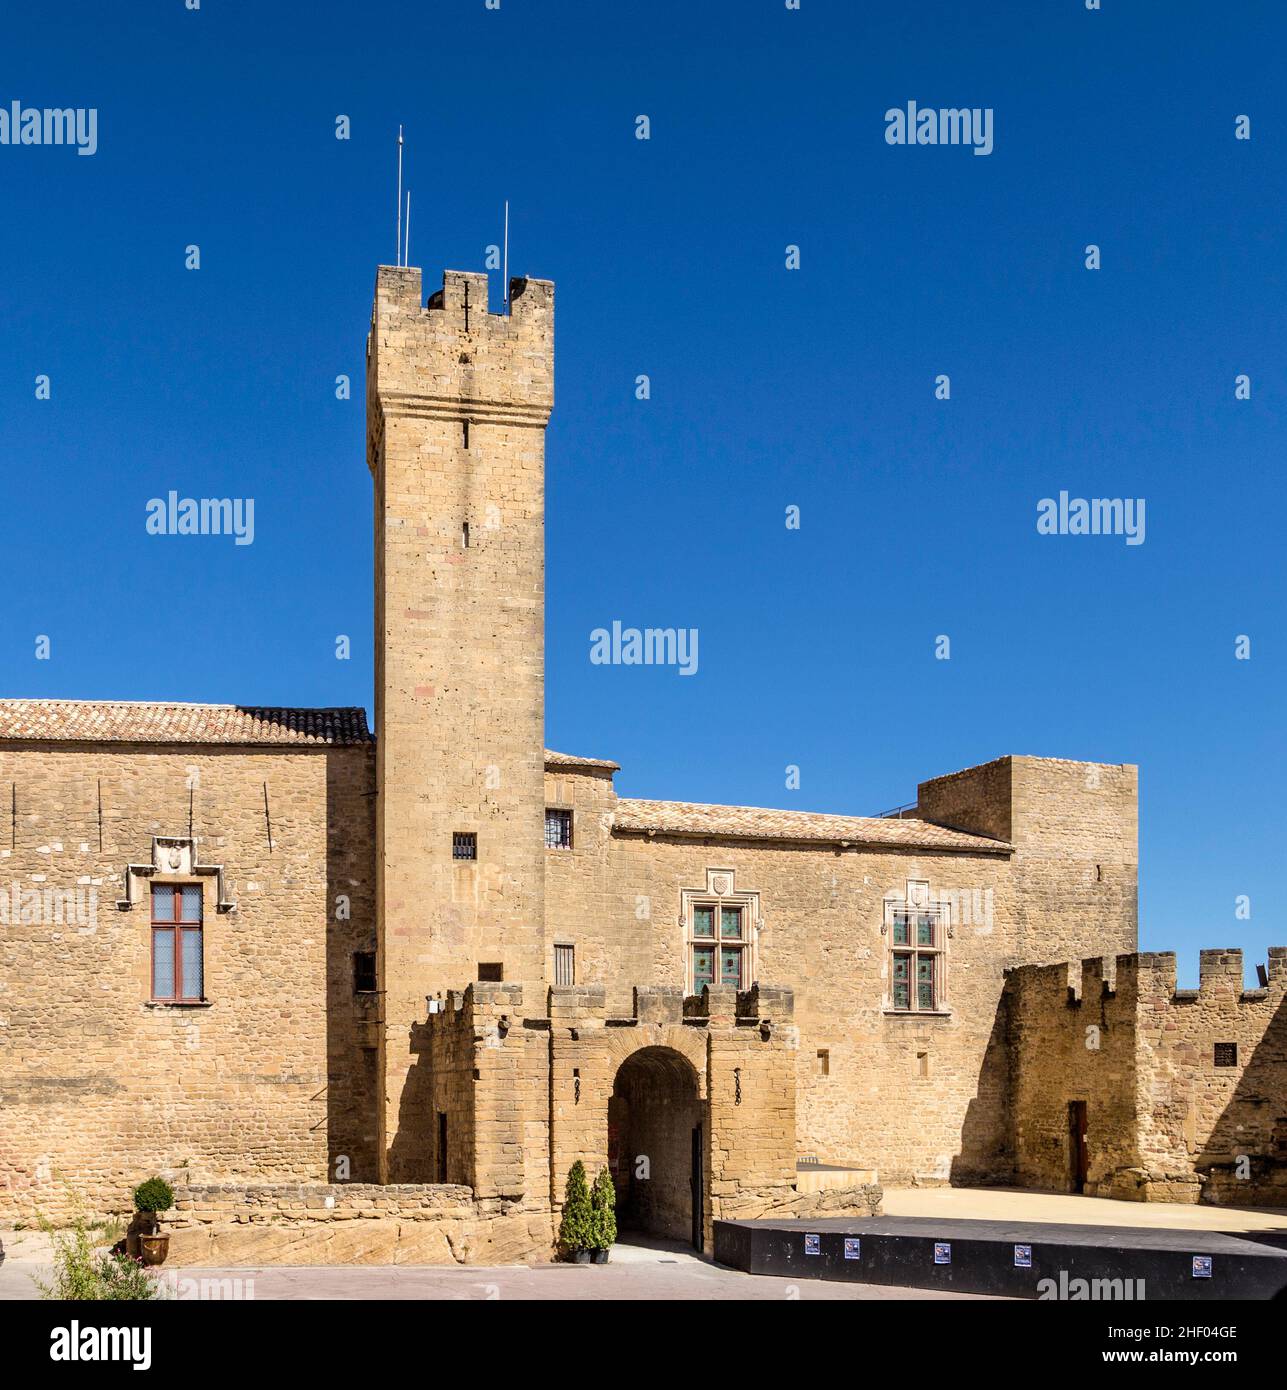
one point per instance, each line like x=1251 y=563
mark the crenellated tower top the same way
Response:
x=452 y=357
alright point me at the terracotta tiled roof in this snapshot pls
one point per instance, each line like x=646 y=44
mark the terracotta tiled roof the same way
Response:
x=757 y=823
x=553 y=759
x=122 y=721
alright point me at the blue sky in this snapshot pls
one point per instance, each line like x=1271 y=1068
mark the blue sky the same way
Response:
x=770 y=387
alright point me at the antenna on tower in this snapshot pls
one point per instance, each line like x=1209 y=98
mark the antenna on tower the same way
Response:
x=505 y=262
x=406 y=257
x=398 y=255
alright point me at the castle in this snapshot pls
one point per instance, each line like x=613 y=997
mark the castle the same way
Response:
x=371 y=997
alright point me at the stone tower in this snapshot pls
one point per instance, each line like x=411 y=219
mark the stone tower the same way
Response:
x=457 y=403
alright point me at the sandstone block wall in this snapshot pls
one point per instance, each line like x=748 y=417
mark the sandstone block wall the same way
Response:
x=1165 y=1122
x=1224 y=1125
x=916 y=1097
x=910 y=1096
x=357 y=1223
x=1074 y=827
x=99 y=1086
x=544 y=1089
x=457 y=402
x=1071 y=1032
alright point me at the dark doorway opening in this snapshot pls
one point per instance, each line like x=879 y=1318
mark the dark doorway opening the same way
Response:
x=1079 y=1158
x=655 y=1125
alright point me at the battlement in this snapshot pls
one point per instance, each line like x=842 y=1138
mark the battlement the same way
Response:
x=452 y=358
x=463 y=297
x=653 y=1004
x=1151 y=976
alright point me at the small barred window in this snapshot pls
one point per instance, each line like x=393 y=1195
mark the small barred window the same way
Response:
x=565 y=965
x=558 y=829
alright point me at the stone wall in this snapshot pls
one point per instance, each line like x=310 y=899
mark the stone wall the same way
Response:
x=457 y=402
x=1071 y=1032
x=437 y=1224
x=916 y=1097
x=551 y=1068
x=1226 y=1126
x=1074 y=828
x=1165 y=1122
x=496 y=1067
x=99 y=1086
x=353 y=1223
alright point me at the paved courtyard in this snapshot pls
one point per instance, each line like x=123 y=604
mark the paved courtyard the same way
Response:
x=652 y=1269
x=636 y=1272
x=1062 y=1209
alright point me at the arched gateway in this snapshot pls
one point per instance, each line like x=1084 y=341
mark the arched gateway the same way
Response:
x=689 y=1102
x=656 y=1148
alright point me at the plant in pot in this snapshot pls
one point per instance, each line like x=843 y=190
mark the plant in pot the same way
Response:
x=576 y=1230
x=150 y=1197
x=603 y=1216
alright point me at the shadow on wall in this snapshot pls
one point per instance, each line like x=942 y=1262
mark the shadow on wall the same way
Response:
x=1252 y=1128
x=425 y=1148
x=987 y=1157
x=352 y=1062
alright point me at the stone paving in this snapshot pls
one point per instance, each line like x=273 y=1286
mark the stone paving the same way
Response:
x=1012 y=1204
x=636 y=1273
x=646 y=1269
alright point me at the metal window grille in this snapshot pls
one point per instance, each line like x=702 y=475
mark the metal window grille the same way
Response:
x=565 y=965
x=558 y=829
x=178 y=964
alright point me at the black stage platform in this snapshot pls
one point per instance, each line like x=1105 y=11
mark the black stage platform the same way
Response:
x=1012 y=1258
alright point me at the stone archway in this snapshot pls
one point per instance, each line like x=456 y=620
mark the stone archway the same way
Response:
x=656 y=1144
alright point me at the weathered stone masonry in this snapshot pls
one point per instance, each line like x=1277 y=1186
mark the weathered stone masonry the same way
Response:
x=1185 y=1090
x=266 y=1078
x=416 y=1013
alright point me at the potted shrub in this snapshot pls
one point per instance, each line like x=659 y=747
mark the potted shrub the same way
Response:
x=150 y=1197
x=576 y=1229
x=603 y=1216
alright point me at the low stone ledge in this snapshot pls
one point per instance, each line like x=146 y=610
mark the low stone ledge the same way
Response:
x=214 y=1203
x=225 y=1224
x=861 y=1200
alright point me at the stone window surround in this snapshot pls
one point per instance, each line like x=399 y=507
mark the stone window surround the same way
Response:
x=174 y=858
x=916 y=894
x=174 y=864
x=721 y=891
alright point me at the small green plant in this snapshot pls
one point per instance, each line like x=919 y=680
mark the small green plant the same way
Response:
x=108 y=1229
x=82 y=1271
x=121 y=1277
x=603 y=1211
x=153 y=1196
x=576 y=1231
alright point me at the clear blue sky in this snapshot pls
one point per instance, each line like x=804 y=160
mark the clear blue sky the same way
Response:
x=769 y=387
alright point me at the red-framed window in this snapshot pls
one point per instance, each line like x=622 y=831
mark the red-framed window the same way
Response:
x=178 y=952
